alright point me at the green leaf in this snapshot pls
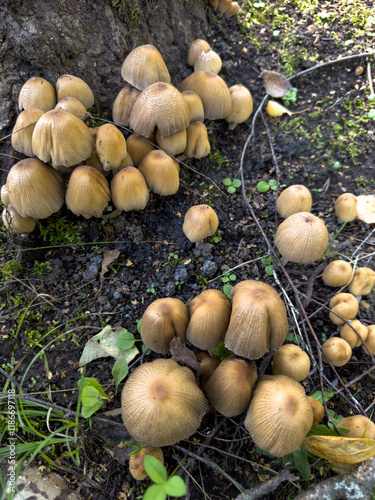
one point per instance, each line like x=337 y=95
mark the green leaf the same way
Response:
x=125 y=340
x=155 y=469
x=92 y=399
x=267 y=261
x=301 y=461
x=226 y=290
x=139 y=325
x=119 y=370
x=91 y=382
x=175 y=487
x=232 y=277
x=221 y=352
x=227 y=182
x=293 y=338
x=155 y=492
x=263 y=186
x=236 y=183
x=322 y=430
x=327 y=395
x=371 y=114
x=231 y=189
x=269 y=270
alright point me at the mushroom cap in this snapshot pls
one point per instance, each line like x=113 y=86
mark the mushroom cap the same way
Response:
x=292 y=361
x=110 y=146
x=279 y=415
x=161 y=403
x=197 y=143
x=136 y=461
x=232 y=9
x=195 y=48
x=69 y=85
x=129 y=190
x=72 y=105
x=258 y=321
x=195 y=105
x=16 y=223
x=346 y=207
x=302 y=238
x=344 y=304
x=295 y=198
x=208 y=60
x=144 y=66
x=207 y=362
x=161 y=172
x=213 y=92
x=174 y=144
x=359 y=427
x=37 y=93
x=337 y=350
x=337 y=273
x=23 y=130
x=318 y=410
x=209 y=318
x=347 y=333
x=123 y=105
x=35 y=189
x=230 y=387
x=224 y=5
x=88 y=192
x=163 y=320
x=160 y=105
x=370 y=341
x=242 y=105
x=138 y=147
x=363 y=281
x=200 y=222
x=62 y=138
x=5 y=195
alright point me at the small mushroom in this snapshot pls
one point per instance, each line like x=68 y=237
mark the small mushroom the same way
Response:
x=359 y=426
x=207 y=362
x=295 y=198
x=69 y=85
x=232 y=10
x=337 y=351
x=138 y=147
x=346 y=207
x=71 y=105
x=317 y=409
x=123 y=105
x=292 y=361
x=16 y=223
x=136 y=461
x=370 y=341
x=195 y=105
x=354 y=339
x=242 y=105
x=37 y=93
x=5 y=195
x=129 y=190
x=197 y=143
x=208 y=60
x=161 y=173
x=195 y=48
x=337 y=273
x=200 y=222
x=110 y=146
x=363 y=281
x=174 y=144
x=23 y=130
x=344 y=304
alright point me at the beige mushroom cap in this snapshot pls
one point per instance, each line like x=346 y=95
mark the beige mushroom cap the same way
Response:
x=347 y=333
x=174 y=144
x=160 y=105
x=346 y=207
x=213 y=92
x=279 y=416
x=138 y=147
x=72 y=105
x=161 y=403
x=200 y=222
x=197 y=143
x=318 y=410
x=161 y=172
x=363 y=281
x=302 y=238
x=136 y=461
x=5 y=195
x=110 y=146
x=207 y=362
x=195 y=48
x=129 y=190
x=344 y=304
x=359 y=427
x=69 y=85
x=230 y=387
x=195 y=105
x=163 y=320
x=208 y=60
x=370 y=341
x=209 y=319
x=144 y=66
x=232 y=10
x=292 y=361
x=88 y=192
x=123 y=105
x=242 y=105
x=337 y=350
x=258 y=321
x=16 y=223
x=23 y=130
x=337 y=273
x=37 y=93
x=295 y=198
x=35 y=189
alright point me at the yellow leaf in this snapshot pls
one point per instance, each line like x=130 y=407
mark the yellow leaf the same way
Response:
x=275 y=109
x=340 y=449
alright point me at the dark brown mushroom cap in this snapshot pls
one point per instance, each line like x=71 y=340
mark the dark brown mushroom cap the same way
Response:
x=359 y=427
x=160 y=105
x=230 y=387
x=69 y=85
x=344 y=304
x=337 y=350
x=163 y=320
x=37 y=93
x=337 y=273
x=363 y=281
x=161 y=172
x=129 y=190
x=295 y=198
x=200 y=222
x=195 y=48
x=209 y=318
x=279 y=416
x=258 y=321
x=16 y=223
x=207 y=362
x=161 y=403
x=110 y=146
x=242 y=105
x=123 y=105
x=23 y=130
x=144 y=66
x=292 y=361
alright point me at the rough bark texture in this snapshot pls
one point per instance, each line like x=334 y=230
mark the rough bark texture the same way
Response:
x=49 y=38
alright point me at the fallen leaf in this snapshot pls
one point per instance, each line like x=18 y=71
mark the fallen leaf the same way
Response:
x=340 y=449
x=366 y=208
x=275 y=109
x=276 y=85
x=181 y=354
x=109 y=256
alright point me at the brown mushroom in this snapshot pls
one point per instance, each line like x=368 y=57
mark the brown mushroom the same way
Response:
x=110 y=146
x=195 y=105
x=138 y=147
x=208 y=60
x=129 y=190
x=242 y=105
x=359 y=426
x=337 y=351
x=37 y=93
x=123 y=105
x=136 y=461
x=71 y=105
x=197 y=143
x=161 y=173
x=207 y=362
x=344 y=304
x=346 y=207
x=292 y=361
x=370 y=341
x=363 y=281
x=195 y=48
x=23 y=130
x=232 y=10
x=144 y=66
x=295 y=198
x=16 y=223
x=174 y=144
x=200 y=222
x=357 y=337
x=337 y=273
x=69 y=85
x=318 y=410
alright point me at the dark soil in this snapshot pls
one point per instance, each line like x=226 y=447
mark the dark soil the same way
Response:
x=70 y=296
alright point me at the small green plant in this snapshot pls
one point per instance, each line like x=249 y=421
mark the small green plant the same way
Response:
x=93 y=396
x=267 y=261
x=337 y=165
x=58 y=230
x=226 y=290
x=11 y=268
x=221 y=352
x=42 y=268
x=151 y=288
x=264 y=186
x=228 y=276
x=291 y=97
x=231 y=186
x=216 y=238
x=164 y=486
x=179 y=284
x=172 y=259
x=371 y=114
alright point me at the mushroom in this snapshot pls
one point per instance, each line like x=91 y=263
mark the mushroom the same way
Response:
x=317 y=409
x=61 y=137
x=258 y=321
x=292 y=361
x=357 y=337
x=138 y=147
x=344 y=304
x=242 y=105
x=363 y=281
x=123 y=105
x=35 y=189
x=370 y=341
x=161 y=403
x=195 y=48
x=209 y=318
x=174 y=144
x=72 y=105
x=337 y=273
x=136 y=461
x=16 y=223
x=23 y=130
x=208 y=60
x=69 y=85
x=346 y=207
x=88 y=192
x=197 y=143
x=110 y=146
x=207 y=362
x=224 y=5
x=163 y=320
x=195 y=105
x=337 y=351
x=129 y=190
x=232 y=10
x=5 y=195
x=302 y=238
x=279 y=415
x=200 y=222
x=161 y=105
x=37 y=93
x=359 y=426
x=230 y=387
x=295 y=198
x=213 y=92
x=161 y=172
x=144 y=66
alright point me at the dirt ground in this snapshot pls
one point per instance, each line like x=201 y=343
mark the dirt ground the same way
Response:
x=55 y=286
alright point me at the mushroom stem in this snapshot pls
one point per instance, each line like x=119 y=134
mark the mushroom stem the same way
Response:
x=113 y=214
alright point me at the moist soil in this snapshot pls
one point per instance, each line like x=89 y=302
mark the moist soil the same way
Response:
x=156 y=260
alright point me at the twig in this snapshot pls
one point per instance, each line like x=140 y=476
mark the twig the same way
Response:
x=369 y=76
x=266 y=488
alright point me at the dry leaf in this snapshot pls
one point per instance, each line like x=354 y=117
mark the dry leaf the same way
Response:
x=109 y=256
x=276 y=85
x=186 y=357
x=340 y=449
x=366 y=208
x=275 y=109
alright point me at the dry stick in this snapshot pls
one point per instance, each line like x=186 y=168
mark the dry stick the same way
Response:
x=266 y=488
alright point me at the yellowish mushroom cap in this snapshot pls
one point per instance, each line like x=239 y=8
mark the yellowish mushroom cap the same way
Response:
x=359 y=427
x=195 y=48
x=138 y=147
x=363 y=281
x=200 y=222
x=337 y=350
x=295 y=198
x=69 y=85
x=37 y=93
x=174 y=144
x=344 y=304
x=110 y=146
x=337 y=273
x=123 y=105
x=71 y=105
x=136 y=461
x=197 y=143
x=16 y=223
x=161 y=172
x=195 y=105
x=129 y=190
x=242 y=105
x=292 y=361
x=208 y=60
x=318 y=410
x=351 y=336
x=370 y=341
x=346 y=207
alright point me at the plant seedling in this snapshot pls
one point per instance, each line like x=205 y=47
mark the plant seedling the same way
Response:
x=231 y=186
x=93 y=396
x=173 y=486
x=264 y=186
x=290 y=97
x=267 y=261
